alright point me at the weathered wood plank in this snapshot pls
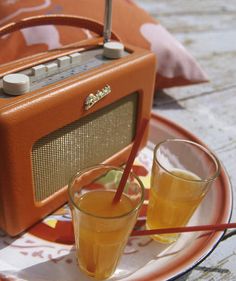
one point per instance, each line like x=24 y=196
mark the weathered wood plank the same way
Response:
x=206 y=115
x=180 y=7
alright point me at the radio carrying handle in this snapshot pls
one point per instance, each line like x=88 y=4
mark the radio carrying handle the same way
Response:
x=67 y=20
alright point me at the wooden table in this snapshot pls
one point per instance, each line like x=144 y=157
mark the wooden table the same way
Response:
x=208 y=30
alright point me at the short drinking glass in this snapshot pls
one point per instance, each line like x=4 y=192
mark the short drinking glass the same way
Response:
x=102 y=227
x=182 y=173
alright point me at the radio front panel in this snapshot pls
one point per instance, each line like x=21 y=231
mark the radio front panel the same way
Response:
x=78 y=113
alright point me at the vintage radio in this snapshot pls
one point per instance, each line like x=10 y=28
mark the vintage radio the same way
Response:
x=64 y=110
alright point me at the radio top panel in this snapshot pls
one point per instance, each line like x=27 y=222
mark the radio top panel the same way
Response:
x=56 y=70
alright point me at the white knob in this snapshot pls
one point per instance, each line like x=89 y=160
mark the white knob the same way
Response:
x=16 y=84
x=113 y=50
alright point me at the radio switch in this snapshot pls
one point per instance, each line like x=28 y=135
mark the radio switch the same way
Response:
x=16 y=84
x=51 y=68
x=39 y=71
x=63 y=61
x=75 y=58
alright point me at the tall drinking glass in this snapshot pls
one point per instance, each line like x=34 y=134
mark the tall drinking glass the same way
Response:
x=101 y=227
x=182 y=173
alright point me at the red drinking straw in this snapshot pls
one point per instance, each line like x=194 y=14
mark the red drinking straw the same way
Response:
x=210 y=227
x=130 y=161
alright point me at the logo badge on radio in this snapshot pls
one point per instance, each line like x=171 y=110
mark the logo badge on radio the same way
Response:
x=94 y=98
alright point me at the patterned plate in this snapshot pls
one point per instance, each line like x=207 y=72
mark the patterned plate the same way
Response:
x=46 y=251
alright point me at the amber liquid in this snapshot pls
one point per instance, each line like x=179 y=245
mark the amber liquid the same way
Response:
x=101 y=240
x=172 y=201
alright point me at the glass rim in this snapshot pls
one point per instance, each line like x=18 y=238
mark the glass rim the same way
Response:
x=205 y=149
x=82 y=171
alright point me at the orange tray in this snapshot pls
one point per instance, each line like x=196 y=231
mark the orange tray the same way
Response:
x=46 y=251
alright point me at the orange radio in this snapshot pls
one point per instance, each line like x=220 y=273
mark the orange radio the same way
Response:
x=64 y=110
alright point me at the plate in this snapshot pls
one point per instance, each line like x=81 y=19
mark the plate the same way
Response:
x=46 y=251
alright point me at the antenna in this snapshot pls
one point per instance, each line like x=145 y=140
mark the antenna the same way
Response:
x=107 y=21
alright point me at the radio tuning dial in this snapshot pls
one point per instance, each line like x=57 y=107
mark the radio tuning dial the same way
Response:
x=16 y=84
x=113 y=50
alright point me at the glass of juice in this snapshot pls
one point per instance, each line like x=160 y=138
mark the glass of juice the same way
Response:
x=182 y=173
x=102 y=227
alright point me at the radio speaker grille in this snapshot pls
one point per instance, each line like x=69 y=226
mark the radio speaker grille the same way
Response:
x=85 y=142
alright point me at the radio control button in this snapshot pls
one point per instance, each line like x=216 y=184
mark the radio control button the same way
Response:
x=63 y=61
x=51 y=68
x=39 y=71
x=75 y=58
x=16 y=84
x=113 y=50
